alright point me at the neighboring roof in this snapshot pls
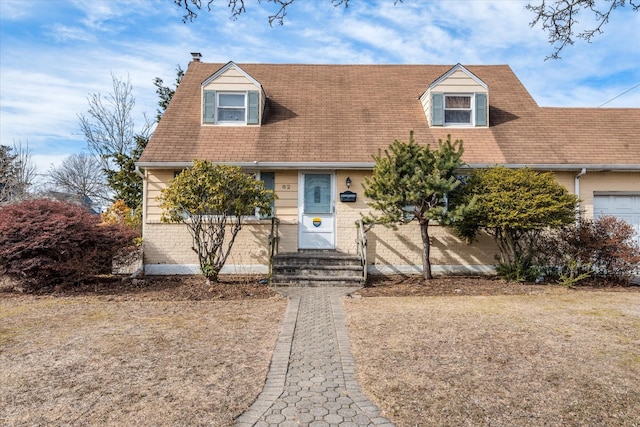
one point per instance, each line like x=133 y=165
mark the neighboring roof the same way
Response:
x=346 y=113
x=73 y=198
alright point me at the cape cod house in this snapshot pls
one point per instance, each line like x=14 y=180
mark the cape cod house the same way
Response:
x=309 y=131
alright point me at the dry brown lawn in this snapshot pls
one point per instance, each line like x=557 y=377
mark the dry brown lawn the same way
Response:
x=553 y=357
x=129 y=359
x=455 y=351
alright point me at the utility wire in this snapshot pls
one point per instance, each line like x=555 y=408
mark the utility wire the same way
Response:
x=616 y=97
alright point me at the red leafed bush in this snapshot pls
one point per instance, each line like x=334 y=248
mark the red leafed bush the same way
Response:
x=605 y=248
x=44 y=243
x=613 y=248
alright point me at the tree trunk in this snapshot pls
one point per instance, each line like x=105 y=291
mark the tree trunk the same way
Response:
x=211 y=276
x=426 y=249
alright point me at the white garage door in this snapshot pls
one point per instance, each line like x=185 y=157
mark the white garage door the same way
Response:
x=626 y=207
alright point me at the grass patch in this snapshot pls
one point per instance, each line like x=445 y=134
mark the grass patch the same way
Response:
x=555 y=358
x=96 y=360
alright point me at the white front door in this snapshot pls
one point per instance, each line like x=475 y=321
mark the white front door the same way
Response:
x=317 y=211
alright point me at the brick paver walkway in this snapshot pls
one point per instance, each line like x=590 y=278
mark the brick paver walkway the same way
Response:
x=311 y=381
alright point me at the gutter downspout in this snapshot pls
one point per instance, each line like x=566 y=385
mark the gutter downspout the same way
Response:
x=576 y=188
x=144 y=208
x=144 y=194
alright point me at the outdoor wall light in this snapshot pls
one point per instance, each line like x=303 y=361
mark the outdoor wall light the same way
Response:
x=348 y=182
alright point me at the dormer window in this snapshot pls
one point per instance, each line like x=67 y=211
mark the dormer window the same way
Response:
x=458 y=98
x=230 y=108
x=458 y=110
x=231 y=97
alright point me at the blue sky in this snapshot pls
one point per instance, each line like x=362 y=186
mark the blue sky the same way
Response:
x=54 y=53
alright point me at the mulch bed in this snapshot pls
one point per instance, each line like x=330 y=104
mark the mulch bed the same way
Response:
x=166 y=288
x=401 y=285
x=196 y=288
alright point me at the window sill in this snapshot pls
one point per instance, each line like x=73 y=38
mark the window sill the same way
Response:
x=460 y=126
x=232 y=124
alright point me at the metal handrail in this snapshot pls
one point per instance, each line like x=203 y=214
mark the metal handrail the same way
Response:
x=274 y=242
x=361 y=242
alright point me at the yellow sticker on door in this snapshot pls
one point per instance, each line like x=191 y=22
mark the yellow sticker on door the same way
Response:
x=317 y=222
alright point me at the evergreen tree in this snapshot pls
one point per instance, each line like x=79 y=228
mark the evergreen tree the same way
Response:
x=410 y=182
x=124 y=180
x=165 y=93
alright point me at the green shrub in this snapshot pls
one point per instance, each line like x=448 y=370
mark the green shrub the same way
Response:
x=517 y=207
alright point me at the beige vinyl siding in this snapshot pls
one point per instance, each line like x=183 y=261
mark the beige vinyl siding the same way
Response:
x=231 y=80
x=425 y=100
x=286 y=187
x=459 y=82
x=171 y=243
x=157 y=179
x=597 y=181
x=286 y=209
x=567 y=180
x=605 y=182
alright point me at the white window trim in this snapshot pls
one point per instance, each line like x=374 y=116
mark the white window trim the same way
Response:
x=246 y=108
x=472 y=107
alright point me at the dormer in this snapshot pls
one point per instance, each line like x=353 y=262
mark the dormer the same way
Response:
x=458 y=98
x=231 y=97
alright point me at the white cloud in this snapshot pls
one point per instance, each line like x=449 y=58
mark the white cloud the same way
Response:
x=16 y=9
x=44 y=162
x=62 y=33
x=44 y=81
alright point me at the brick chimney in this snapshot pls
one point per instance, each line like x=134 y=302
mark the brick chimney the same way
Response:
x=196 y=56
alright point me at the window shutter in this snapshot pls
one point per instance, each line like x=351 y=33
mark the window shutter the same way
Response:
x=437 y=109
x=269 y=179
x=209 y=107
x=481 y=109
x=252 y=118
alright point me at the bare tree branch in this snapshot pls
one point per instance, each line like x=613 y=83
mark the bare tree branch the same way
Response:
x=557 y=17
x=17 y=172
x=238 y=7
x=108 y=126
x=82 y=175
x=27 y=170
x=560 y=19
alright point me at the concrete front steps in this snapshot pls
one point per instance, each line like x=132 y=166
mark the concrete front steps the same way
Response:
x=317 y=268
